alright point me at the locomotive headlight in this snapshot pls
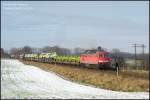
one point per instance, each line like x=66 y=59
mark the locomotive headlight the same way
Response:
x=102 y=61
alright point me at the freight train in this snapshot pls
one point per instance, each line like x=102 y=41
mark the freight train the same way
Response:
x=97 y=58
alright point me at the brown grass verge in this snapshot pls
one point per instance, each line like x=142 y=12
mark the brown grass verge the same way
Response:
x=99 y=78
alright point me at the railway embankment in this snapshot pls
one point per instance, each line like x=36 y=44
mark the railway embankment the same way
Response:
x=131 y=81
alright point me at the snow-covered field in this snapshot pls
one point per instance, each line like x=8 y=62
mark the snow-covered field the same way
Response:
x=25 y=81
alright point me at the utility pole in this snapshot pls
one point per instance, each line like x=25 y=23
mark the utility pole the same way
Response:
x=135 y=45
x=143 y=46
x=143 y=58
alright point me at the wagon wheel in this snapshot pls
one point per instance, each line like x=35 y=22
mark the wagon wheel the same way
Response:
x=100 y=66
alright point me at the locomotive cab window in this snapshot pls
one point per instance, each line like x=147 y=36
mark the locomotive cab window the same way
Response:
x=106 y=55
x=90 y=51
x=103 y=55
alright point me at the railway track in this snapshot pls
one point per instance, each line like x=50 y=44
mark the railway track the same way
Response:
x=74 y=64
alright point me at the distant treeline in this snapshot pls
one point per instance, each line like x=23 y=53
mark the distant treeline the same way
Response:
x=4 y=54
x=63 y=51
x=115 y=53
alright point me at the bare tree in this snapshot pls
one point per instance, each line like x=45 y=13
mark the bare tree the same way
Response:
x=115 y=53
x=26 y=49
x=78 y=51
x=46 y=49
x=4 y=54
x=15 y=51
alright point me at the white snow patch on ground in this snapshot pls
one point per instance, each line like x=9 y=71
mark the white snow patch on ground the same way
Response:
x=21 y=81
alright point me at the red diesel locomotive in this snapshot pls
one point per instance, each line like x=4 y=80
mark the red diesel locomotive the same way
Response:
x=99 y=57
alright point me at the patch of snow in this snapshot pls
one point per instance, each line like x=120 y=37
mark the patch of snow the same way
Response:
x=21 y=81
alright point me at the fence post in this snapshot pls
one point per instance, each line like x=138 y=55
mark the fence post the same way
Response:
x=55 y=62
x=117 y=71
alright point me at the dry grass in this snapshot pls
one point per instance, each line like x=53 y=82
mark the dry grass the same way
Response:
x=99 y=78
x=136 y=73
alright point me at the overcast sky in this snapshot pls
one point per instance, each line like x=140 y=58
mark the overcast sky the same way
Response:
x=111 y=24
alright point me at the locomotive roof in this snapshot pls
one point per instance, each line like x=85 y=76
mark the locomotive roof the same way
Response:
x=103 y=52
x=94 y=51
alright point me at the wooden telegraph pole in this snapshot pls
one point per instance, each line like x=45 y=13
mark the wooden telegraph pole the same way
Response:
x=143 y=46
x=135 y=45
